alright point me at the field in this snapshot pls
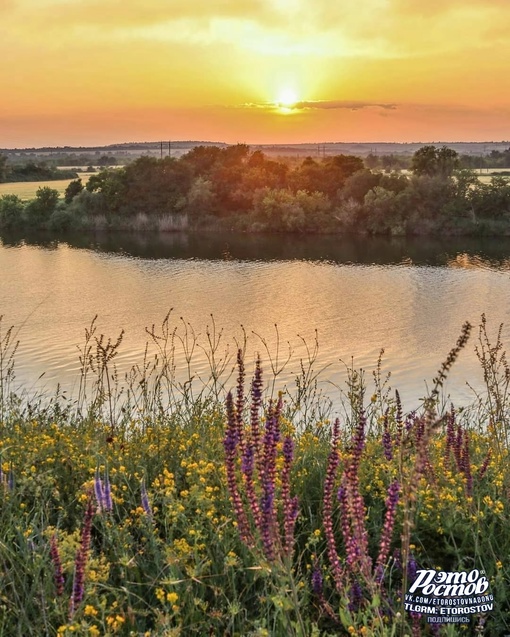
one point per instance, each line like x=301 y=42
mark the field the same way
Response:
x=161 y=510
x=26 y=189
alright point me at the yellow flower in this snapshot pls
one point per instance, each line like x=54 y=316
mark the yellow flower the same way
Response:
x=172 y=597
x=90 y=610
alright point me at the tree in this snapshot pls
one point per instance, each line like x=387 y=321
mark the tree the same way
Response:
x=73 y=189
x=40 y=209
x=433 y=162
x=11 y=211
x=3 y=168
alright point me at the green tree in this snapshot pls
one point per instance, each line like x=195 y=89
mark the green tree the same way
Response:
x=11 y=211
x=39 y=210
x=73 y=189
x=3 y=168
x=433 y=162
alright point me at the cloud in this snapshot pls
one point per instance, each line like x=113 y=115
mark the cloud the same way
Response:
x=341 y=104
x=350 y=105
x=137 y=13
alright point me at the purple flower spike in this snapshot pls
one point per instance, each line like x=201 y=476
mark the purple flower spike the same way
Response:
x=10 y=480
x=329 y=483
x=99 y=492
x=355 y=596
x=387 y=530
x=386 y=439
x=58 y=574
x=80 y=562
x=317 y=581
x=107 y=493
x=290 y=505
x=146 y=505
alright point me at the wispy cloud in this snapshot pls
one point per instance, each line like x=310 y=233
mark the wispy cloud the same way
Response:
x=350 y=105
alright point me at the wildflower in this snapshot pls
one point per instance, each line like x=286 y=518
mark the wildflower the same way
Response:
x=386 y=439
x=230 y=446
x=398 y=417
x=355 y=596
x=290 y=505
x=256 y=403
x=485 y=465
x=268 y=478
x=332 y=467
x=247 y=466
x=466 y=466
x=58 y=575
x=317 y=582
x=387 y=530
x=102 y=492
x=145 y=501
x=81 y=560
x=239 y=407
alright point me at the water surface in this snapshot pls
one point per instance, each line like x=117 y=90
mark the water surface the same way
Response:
x=359 y=295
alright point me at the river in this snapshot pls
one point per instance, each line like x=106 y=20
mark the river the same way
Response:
x=359 y=295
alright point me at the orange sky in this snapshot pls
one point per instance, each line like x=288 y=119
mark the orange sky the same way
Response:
x=103 y=71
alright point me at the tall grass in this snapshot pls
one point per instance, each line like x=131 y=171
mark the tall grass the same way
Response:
x=221 y=506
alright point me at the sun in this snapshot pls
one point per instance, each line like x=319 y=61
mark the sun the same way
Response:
x=287 y=99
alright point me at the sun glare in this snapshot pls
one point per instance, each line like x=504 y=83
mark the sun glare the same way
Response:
x=286 y=101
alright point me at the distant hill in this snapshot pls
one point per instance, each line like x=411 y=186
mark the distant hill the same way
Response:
x=319 y=149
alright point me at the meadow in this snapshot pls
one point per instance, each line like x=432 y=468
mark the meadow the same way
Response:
x=27 y=190
x=147 y=506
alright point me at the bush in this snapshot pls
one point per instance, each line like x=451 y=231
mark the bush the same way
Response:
x=11 y=211
x=61 y=219
x=39 y=210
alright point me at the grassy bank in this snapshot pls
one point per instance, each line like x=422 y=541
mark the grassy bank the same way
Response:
x=228 y=513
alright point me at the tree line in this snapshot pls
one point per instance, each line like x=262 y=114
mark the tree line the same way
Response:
x=240 y=189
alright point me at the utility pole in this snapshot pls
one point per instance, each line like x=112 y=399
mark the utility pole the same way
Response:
x=169 y=149
x=161 y=150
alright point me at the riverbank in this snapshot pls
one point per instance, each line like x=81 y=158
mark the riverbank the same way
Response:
x=212 y=189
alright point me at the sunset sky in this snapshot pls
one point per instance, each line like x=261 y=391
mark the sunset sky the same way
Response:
x=257 y=71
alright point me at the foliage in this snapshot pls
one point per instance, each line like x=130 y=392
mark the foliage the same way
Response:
x=224 y=515
x=73 y=189
x=237 y=188
x=32 y=171
x=432 y=161
x=11 y=211
x=39 y=210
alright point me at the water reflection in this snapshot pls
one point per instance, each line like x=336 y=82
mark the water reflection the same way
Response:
x=487 y=252
x=410 y=297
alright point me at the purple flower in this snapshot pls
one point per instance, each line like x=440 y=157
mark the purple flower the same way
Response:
x=103 y=492
x=398 y=417
x=99 y=493
x=386 y=439
x=146 y=505
x=387 y=530
x=80 y=561
x=317 y=581
x=58 y=574
x=239 y=406
x=327 y=514
x=485 y=465
x=412 y=568
x=230 y=446
x=290 y=505
x=355 y=596
x=450 y=434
